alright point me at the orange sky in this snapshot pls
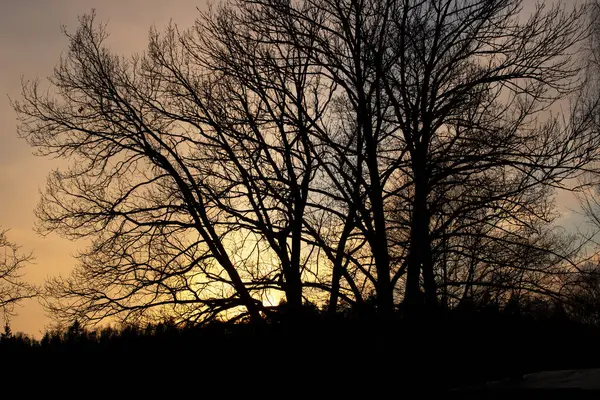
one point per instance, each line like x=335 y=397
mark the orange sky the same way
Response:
x=30 y=45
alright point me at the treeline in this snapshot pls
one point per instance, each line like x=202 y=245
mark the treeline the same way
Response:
x=464 y=346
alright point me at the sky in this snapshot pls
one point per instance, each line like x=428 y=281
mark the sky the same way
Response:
x=31 y=42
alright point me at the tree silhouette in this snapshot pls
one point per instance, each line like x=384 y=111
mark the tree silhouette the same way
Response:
x=324 y=150
x=12 y=287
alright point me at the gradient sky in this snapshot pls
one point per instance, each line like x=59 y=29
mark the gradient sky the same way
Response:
x=31 y=42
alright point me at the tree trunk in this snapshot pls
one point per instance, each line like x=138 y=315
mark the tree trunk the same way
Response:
x=420 y=258
x=378 y=241
x=338 y=266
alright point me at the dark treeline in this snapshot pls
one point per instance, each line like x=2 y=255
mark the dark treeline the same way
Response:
x=467 y=346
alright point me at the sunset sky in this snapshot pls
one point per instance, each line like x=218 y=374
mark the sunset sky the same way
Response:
x=31 y=42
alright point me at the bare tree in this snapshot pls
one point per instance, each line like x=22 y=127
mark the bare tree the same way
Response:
x=447 y=99
x=136 y=186
x=12 y=287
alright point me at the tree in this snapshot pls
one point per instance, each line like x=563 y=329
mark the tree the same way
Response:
x=582 y=290
x=445 y=100
x=12 y=287
x=324 y=149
